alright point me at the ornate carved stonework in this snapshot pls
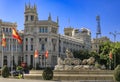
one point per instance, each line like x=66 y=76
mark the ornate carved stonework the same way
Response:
x=71 y=63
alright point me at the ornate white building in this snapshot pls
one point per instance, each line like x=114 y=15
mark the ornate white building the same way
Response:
x=43 y=35
x=96 y=42
x=13 y=50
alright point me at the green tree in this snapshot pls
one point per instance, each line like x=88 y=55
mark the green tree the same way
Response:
x=82 y=54
x=105 y=49
x=95 y=55
x=5 y=71
x=117 y=74
x=47 y=74
x=116 y=54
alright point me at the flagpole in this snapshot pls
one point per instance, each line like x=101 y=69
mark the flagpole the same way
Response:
x=2 y=58
x=17 y=37
x=45 y=62
x=12 y=55
x=3 y=45
x=35 y=63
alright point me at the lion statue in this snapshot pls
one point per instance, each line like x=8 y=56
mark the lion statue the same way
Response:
x=69 y=54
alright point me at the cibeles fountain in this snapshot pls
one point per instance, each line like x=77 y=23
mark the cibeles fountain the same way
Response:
x=71 y=63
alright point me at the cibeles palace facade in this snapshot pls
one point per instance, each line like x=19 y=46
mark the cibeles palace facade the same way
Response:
x=41 y=35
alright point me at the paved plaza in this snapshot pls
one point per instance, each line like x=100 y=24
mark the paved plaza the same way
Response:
x=27 y=80
x=22 y=80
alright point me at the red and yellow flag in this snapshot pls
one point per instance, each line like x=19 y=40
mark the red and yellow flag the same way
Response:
x=16 y=35
x=36 y=54
x=46 y=54
x=3 y=40
x=110 y=55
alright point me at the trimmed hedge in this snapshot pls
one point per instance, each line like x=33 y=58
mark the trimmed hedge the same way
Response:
x=47 y=74
x=117 y=74
x=5 y=71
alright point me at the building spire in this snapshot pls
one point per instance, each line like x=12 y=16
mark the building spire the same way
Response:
x=25 y=6
x=49 y=17
x=29 y=4
x=34 y=6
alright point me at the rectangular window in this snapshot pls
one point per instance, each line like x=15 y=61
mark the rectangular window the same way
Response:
x=10 y=30
x=26 y=58
x=14 y=48
x=26 y=47
x=46 y=30
x=96 y=46
x=54 y=47
x=32 y=17
x=26 y=18
x=10 y=47
x=3 y=29
x=6 y=29
x=31 y=47
x=26 y=39
x=39 y=58
x=59 y=48
x=5 y=60
x=39 y=39
x=64 y=49
x=46 y=39
x=19 y=60
x=31 y=60
x=31 y=40
x=40 y=30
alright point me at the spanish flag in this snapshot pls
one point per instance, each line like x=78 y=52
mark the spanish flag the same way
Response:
x=110 y=55
x=3 y=40
x=46 y=54
x=36 y=54
x=16 y=35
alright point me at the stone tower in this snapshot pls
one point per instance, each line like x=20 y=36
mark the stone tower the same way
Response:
x=30 y=18
x=30 y=13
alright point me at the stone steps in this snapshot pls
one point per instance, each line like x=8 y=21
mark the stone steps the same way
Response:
x=74 y=75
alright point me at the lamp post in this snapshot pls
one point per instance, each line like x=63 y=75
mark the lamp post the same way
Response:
x=114 y=35
x=59 y=46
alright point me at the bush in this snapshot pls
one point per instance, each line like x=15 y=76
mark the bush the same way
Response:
x=47 y=74
x=5 y=72
x=117 y=73
x=97 y=65
x=19 y=68
x=30 y=67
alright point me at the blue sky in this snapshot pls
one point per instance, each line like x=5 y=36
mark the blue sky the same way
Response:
x=82 y=13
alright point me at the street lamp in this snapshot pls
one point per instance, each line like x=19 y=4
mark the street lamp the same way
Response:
x=59 y=46
x=114 y=35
